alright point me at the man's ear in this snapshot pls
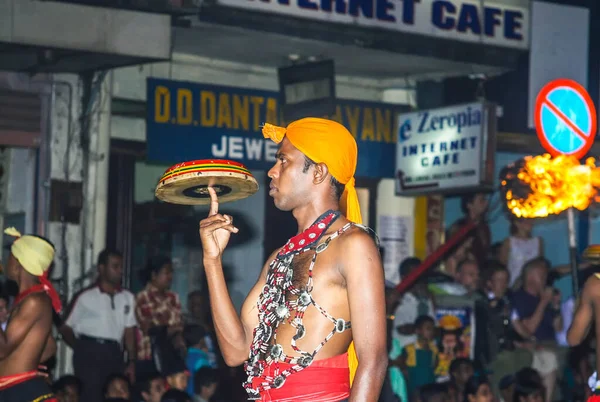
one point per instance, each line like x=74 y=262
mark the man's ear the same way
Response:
x=320 y=173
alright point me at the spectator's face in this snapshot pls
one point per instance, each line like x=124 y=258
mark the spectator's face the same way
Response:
x=162 y=280
x=469 y=276
x=68 y=394
x=449 y=342
x=524 y=225
x=112 y=272
x=498 y=283
x=537 y=278
x=3 y=311
x=209 y=390
x=196 y=306
x=484 y=394
x=118 y=388
x=426 y=331
x=478 y=206
x=463 y=373
x=157 y=389
x=178 y=381
x=507 y=393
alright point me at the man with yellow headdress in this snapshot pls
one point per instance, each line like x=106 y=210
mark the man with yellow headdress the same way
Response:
x=313 y=328
x=28 y=338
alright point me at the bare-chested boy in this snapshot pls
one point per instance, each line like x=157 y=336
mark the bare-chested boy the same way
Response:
x=27 y=339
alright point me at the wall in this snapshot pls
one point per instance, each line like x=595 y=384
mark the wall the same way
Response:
x=552 y=230
x=395 y=227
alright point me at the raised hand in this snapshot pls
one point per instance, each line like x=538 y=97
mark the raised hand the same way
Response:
x=216 y=229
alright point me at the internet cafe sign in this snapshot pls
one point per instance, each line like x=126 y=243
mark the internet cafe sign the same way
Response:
x=446 y=150
x=480 y=21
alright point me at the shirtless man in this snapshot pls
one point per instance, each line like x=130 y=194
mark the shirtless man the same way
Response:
x=294 y=333
x=586 y=313
x=28 y=339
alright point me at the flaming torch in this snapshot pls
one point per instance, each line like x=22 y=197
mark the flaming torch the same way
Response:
x=540 y=186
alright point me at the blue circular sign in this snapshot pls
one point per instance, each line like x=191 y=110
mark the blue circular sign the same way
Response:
x=565 y=118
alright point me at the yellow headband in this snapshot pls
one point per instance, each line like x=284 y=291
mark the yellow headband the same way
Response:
x=33 y=253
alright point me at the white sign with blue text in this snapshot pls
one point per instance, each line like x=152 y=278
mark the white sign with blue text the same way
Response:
x=442 y=150
x=480 y=21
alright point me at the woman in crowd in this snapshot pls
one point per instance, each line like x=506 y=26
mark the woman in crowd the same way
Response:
x=157 y=307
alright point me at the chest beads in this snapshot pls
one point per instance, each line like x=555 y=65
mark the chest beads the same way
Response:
x=274 y=308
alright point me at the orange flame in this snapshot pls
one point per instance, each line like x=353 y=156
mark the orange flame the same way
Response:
x=552 y=185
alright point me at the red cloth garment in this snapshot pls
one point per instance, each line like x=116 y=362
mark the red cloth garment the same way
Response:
x=44 y=286
x=594 y=398
x=12 y=380
x=325 y=380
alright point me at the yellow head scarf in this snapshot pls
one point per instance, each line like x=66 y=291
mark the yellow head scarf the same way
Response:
x=326 y=141
x=35 y=256
x=34 y=253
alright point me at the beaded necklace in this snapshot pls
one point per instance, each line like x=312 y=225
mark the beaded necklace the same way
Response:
x=274 y=308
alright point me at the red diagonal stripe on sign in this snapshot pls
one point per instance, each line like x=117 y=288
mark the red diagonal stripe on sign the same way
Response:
x=576 y=130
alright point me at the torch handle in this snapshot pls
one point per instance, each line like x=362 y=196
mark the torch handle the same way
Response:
x=573 y=251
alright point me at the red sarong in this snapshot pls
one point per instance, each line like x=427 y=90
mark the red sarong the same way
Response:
x=28 y=386
x=325 y=380
x=12 y=380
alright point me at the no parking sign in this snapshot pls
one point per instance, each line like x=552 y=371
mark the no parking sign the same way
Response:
x=565 y=118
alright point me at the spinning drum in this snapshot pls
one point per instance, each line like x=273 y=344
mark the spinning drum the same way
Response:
x=187 y=183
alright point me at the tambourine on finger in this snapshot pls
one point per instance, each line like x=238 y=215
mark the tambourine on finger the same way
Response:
x=206 y=182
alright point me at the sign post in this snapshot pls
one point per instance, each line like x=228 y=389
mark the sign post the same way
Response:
x=565 y=122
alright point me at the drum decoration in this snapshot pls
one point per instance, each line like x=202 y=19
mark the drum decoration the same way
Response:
x=187 y=183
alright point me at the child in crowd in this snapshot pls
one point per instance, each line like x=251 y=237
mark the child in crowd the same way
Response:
x=419 y=359
x=477 y=389
x=205 y=381
x=67 y=389
x=117 y=387
x=461 y=369
x=152 y=387
x=197 y=352
x=507 y=388
x=177 y=376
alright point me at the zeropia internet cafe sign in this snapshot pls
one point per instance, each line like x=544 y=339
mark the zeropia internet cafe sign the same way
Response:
x=446 y=150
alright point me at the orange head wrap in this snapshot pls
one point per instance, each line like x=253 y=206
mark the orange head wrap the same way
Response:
x=325 y=141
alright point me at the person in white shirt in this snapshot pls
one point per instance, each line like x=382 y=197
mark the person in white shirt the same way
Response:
x=101 y=320
x=414 y=303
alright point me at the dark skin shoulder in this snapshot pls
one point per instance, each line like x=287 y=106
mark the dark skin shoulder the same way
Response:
x=586 y=311
x=360 y=265
x=27 y=335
